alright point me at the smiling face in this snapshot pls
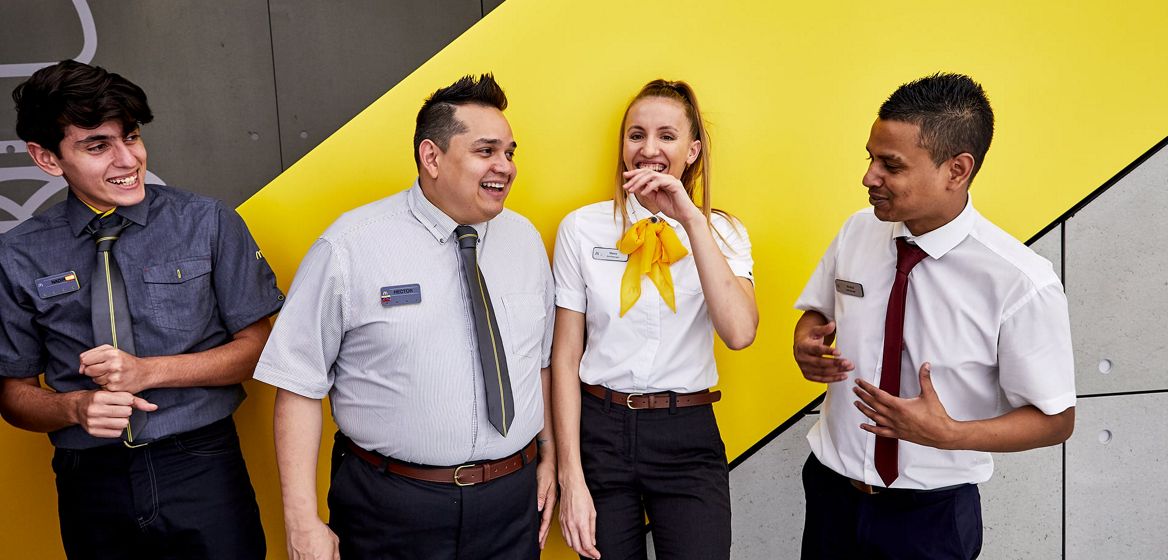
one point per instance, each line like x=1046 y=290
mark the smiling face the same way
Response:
x=104 y=166
x=658 y=136
x=904 y=185
x=471 y=179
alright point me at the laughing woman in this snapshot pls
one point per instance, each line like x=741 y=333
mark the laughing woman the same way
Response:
x=642 y=283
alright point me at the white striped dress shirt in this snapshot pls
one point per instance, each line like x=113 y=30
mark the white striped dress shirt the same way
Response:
x=405 y=380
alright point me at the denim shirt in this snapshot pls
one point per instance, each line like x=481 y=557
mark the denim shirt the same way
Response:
x=194 y=277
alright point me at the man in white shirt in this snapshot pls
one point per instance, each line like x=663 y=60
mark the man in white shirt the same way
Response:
x=426 y=317
x=975 y=322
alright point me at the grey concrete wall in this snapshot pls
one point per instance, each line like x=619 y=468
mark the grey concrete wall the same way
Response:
x=1101 y=494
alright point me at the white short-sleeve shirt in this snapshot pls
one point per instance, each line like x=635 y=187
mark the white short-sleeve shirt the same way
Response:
x=405 y=379
x=651 y=348
x=984 y=310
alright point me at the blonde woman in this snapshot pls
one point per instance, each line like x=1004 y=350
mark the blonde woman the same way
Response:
x=643 y=282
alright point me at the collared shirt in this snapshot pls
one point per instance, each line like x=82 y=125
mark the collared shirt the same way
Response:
x=405 y=380
x=193 y=277
x=984 y=310
x=651 y=348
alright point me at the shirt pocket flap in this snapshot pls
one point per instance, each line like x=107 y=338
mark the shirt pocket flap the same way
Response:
x=177 y=272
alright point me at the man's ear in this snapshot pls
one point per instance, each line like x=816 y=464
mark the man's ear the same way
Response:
x=45 y=159
x=429 y=155
x=960 y=170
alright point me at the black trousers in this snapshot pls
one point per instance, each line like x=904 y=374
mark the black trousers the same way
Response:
x=844 y=523
x=667 y=463
x=386 y=516
x=185 y=496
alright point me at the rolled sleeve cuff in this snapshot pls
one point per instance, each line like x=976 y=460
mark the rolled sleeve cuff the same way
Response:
x=20 y=370
x=1053 y=405
x=283 y=381
x=572 y=300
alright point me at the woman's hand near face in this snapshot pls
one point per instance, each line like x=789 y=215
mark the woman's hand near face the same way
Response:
x=662 y=191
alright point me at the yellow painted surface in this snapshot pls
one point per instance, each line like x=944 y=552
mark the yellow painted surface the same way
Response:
x=790 y=90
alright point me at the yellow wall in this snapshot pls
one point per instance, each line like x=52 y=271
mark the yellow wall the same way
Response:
x=789 y=90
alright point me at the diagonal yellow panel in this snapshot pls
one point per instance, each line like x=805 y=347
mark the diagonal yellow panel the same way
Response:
x=790 y=91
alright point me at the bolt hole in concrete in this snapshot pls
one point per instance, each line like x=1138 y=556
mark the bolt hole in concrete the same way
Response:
x=1105 y=366
x=254 y=135
x=304 y=134
x=1105 y=437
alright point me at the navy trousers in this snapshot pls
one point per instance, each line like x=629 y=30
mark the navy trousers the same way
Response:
x=389 y=517
x=669 y=464
x=185 y=496
x=844 y=523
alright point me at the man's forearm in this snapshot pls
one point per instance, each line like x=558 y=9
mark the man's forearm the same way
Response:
x=28 y=406
x=1018 y=430
x=297 y=431
x=228 y=364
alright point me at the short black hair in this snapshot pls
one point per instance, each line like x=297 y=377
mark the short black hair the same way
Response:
x=952 y=112
x=75 y=93
x=436 y=120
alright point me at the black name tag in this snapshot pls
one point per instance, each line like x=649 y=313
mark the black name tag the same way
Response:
x=57 y=284
x=401 y=295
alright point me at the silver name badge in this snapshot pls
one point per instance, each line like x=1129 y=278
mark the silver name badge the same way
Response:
x=401 y=295
x=849 y=288
x=603 y=254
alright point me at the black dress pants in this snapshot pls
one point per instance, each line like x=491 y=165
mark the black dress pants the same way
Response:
x=185 y=496
x=844 y=523
x=389 y=517
x=667 y=463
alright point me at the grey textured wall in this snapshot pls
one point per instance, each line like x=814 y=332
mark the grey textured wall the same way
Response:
x=1102 y=494
x=240 y=90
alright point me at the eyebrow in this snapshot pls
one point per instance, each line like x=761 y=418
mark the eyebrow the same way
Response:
x=94 y=138
x=493 y=142
x=893 y=157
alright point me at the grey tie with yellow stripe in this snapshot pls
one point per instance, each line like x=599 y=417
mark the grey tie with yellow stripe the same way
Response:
x=111 y=310
x=496 y=381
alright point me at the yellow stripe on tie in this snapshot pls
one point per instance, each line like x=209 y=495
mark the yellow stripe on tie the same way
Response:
x=109 y=291
x=494 y=348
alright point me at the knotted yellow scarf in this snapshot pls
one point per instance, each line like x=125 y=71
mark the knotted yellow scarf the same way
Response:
x=651 y=246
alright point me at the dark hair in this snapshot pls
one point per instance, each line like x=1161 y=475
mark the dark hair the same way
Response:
x=436 y=120
x=75 y=93
x=952 y=112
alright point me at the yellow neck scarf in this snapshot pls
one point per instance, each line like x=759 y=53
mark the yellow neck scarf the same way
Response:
x=651 y=246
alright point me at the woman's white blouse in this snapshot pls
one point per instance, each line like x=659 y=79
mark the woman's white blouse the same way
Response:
x=651 y=348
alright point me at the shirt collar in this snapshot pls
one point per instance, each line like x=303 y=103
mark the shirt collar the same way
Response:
x=80 y=214
x=433 y=218
x=638 y=212
x=943 y=239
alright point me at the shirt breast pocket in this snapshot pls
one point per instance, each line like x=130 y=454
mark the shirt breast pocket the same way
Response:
x=180 y=292
x=526 y=319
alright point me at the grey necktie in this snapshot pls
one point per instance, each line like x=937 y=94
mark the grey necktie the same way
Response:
x=111 y=312
x=500 y=403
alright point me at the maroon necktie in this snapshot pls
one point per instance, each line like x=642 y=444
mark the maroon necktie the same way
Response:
x=907 y=256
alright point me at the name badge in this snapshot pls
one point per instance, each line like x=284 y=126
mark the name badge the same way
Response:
x=604 y=254
x=401 y=295
x=57 y=284
x=849 y=288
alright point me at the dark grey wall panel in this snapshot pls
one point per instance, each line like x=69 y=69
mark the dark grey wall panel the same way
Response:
x=206 y=67
x=335 y=58
x=1117 y=278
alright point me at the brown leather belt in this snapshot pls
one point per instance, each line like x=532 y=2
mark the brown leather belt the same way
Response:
x=650 y=401
x=463 y=475
x=873 y=490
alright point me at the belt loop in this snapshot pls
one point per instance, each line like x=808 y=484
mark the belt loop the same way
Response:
x=523 y=455
x=607 y=399
x=672 y=402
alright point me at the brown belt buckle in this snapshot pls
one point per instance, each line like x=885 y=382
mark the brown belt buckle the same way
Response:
x=865 y=488
x=629 y=401
x=458 y=471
